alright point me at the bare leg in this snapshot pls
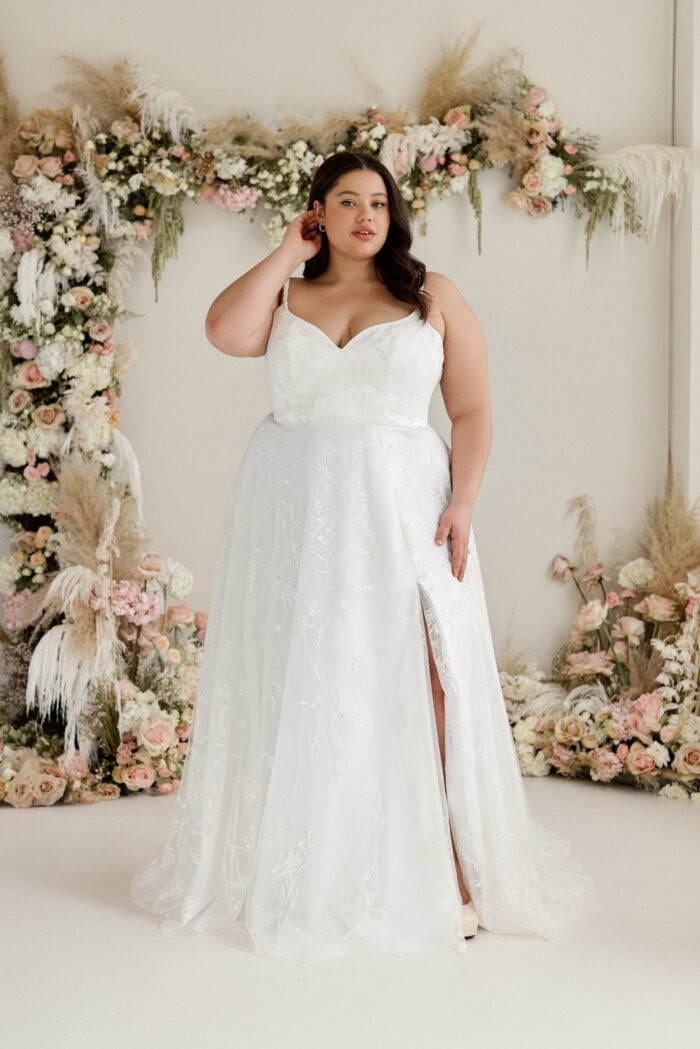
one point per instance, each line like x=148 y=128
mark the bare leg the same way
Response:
x=439 y=708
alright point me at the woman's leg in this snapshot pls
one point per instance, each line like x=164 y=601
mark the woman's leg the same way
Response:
x=439 y=708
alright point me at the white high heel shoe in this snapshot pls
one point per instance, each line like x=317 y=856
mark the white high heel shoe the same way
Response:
x=470 y=920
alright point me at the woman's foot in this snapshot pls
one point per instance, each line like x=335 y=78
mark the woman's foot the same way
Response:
x=470 y=921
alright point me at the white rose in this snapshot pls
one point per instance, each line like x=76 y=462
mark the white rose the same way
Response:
x=637 y=574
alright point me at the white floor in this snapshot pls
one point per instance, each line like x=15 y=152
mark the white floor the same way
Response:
x=83 y=966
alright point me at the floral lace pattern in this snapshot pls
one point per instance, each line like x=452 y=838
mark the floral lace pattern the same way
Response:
x=313 y=808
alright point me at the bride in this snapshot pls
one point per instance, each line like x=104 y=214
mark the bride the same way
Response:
x=352 y=783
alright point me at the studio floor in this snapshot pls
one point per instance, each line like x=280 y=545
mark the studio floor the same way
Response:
x=83 y=966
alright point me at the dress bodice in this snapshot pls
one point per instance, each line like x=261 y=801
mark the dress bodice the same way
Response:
x=384 y=374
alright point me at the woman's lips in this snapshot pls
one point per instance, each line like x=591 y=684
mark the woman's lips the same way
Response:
x=361 y=235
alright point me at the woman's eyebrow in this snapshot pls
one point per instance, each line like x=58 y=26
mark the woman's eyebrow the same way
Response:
x=356 y=194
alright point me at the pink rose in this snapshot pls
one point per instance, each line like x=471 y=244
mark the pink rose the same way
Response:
x=78 y=298
x=123 y=755
x=536 y=95
x=562 y=568
x=151 y=564
x=661 y=609
x=639 y=726
x=570 y=148
x=48 y=416
x=74 y=767
x=687 y=759
x=538 y=207
x=650 y=706
x=428 y=163
x=516 y=199
x=18 y=401
x=639 y=761
x=458 y=117
x=165 y=788
x=25 y=349
x=605 y=765
x=29 y=375
x=25 y=165
x=567 y=169
x=180 y=614
x=99 y=330
x=157 y=736
x=138 y=777
x=585 y=664
x=50 y=166
x=532 y=181
x=613 y=599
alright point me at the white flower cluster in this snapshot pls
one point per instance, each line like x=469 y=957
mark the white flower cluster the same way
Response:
x=678 y=680
x=9 y=574
x=21 y=497
x=551 y=170
x=176 y=577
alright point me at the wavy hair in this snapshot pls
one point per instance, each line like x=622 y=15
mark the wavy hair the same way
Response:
x=400 y=271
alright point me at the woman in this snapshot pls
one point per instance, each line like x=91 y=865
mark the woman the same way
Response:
x=352 y=783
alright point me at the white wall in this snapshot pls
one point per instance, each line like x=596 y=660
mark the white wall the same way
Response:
x=578 y=359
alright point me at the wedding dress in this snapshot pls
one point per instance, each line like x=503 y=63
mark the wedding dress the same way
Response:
x=313 y=810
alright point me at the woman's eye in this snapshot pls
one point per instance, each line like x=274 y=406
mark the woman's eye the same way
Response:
x=379 y=203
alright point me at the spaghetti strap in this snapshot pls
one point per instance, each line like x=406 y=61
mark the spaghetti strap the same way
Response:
x=285 y=290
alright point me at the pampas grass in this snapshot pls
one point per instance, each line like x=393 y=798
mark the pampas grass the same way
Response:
x=652 y=173
x=672 y=537
x=83 y=508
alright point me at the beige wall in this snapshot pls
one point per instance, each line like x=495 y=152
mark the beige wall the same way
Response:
x=578 y=359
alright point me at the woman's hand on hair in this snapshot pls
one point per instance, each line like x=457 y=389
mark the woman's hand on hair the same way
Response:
x=302 y=236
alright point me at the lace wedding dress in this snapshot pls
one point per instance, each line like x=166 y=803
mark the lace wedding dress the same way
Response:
x=313 y=810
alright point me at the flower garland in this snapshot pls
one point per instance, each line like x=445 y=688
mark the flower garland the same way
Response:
x=88 y=189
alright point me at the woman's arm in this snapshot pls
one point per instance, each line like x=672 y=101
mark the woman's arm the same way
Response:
x=465 y=390
x=240 y=317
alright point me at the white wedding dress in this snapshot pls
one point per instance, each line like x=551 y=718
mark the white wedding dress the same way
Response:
x=313 y=810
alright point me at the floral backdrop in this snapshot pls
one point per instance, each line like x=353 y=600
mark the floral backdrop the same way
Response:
x=100 y=649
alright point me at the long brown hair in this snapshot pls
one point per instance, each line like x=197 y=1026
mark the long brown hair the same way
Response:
x=400 y=271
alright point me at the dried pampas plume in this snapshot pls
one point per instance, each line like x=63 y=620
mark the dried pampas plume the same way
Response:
x=653 y=173
x=82 y=509
x=672 y=537
x=450 y=83
x=103 y=91
x=585 y=550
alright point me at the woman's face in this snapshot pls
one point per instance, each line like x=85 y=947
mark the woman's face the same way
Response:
x=357 y=201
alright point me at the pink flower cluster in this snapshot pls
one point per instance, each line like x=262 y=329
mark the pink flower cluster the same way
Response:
x=135 y=604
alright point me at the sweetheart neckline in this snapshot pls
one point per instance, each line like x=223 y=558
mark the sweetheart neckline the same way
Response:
x=371 y=327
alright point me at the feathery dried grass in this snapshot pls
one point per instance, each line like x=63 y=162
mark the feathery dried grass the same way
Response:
x=672 y=537
x=104 y=91
x=585 y=545
x=450 y=83
x=9 y=119
x=82 y=509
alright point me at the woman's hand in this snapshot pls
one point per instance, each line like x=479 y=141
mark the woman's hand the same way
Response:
x=455 y=523
x=302 y=236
